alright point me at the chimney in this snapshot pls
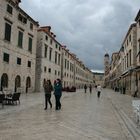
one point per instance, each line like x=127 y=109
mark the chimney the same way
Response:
x=46 y=29
x=53 y=35
x=16 y=2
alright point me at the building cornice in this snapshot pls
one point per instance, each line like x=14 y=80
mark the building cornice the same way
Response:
x=23 y=12
x=129 y=30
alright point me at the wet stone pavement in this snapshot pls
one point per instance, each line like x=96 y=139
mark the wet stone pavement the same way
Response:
x=82 y=117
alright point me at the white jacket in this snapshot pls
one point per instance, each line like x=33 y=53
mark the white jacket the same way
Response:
x=99 y=88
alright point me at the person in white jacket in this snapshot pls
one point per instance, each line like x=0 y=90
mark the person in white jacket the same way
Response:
x=99 y=89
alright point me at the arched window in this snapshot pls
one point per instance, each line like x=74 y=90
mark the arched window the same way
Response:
x=17 y=81
x=4 y=81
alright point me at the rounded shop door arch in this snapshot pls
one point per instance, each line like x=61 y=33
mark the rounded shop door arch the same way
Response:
x=28 y=83
x=4 y=81
x=17 y=82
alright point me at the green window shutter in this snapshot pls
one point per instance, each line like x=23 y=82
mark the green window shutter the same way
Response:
x=20 y=39
x=18 y=61
x=7 y=32
x=9 y=9
x=29 y=64
x=30 y=44
x=45 y=52
x=6 y=57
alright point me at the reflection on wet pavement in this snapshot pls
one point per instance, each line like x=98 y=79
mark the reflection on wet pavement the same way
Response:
x=82 y=117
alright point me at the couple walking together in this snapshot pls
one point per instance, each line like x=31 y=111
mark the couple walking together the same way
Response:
x=48 y=88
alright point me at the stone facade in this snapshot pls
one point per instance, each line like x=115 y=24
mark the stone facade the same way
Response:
x=129 y=61
x=124 y=70
x=106 y=69
x=56 y=61
x=48 y=64
x=68 y=68
x=137 y=19
x=74 y=72
x=31 y=54
x=82 y=75
x=18 y=35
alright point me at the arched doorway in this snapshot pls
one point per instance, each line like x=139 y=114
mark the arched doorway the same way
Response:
x=17 y=82
x=28 y=84
x=4 y=81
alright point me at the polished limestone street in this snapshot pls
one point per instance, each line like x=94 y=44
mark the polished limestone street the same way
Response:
x=83 y=117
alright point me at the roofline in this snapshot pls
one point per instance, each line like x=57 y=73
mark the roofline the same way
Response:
x=137 y=16
x=130 y=28
x=23 y=12
x=41 y=30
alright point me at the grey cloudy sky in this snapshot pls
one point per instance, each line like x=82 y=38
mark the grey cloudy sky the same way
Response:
x=89 y=28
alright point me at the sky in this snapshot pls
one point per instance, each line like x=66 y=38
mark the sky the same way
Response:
x=89 y=28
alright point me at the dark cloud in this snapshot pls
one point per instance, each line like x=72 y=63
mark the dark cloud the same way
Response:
x=89 y=28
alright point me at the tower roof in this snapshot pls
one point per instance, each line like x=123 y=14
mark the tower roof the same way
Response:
x=106 y=55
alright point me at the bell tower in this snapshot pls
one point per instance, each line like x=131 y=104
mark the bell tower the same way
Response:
x=106 y=63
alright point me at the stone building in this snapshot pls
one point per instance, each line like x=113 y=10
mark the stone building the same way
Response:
x=54 y=61
x=30 y=54
x=49 y=57
x=18 y=35
x=113 y=75
x=137 y=19
x=123 y=73
x=82 y=75
x=74 y=72
x=129 y=60
x=106 y=63
x=106 y=70
x=68 y=68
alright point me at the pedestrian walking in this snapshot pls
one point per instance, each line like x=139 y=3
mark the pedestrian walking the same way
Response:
x=48 y=89
x=99 y=89
x=124 y=89
x=90 y=88
x=85 y=88
x=57 y=93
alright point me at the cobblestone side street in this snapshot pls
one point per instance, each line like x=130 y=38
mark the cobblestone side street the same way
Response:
x=82 y=117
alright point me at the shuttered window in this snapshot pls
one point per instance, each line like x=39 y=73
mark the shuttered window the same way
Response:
x=45 y=51
x=9 y=9
x=18 y=61
x=7 y=32
x=20 y=39
x=6 y=57
x=29 y=64
x=30 y=44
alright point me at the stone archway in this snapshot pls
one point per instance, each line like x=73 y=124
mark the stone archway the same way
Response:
x=4 y=81
x=17 y=82
x=28 y=83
